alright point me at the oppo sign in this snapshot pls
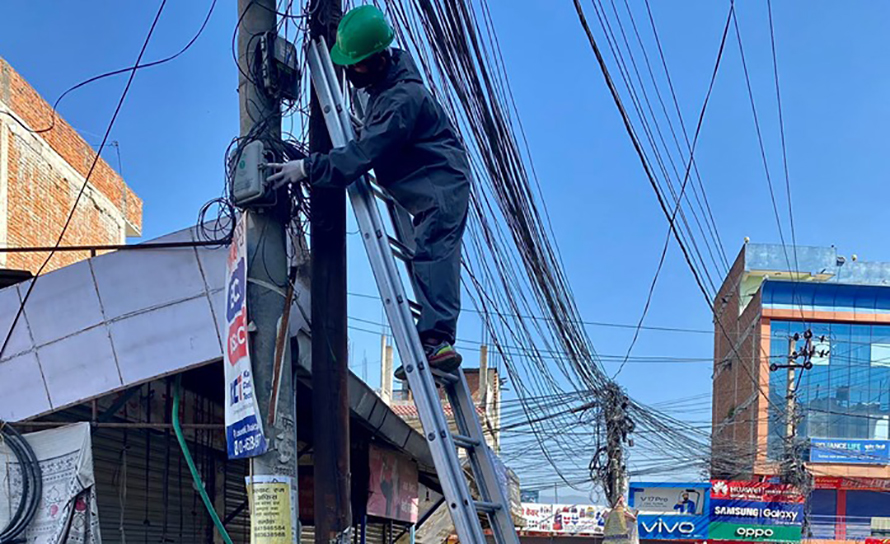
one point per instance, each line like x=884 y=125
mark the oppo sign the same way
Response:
x=664 y=527
x=751 y=532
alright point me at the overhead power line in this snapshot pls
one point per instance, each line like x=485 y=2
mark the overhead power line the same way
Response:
x=93 y=79
x=581 y=322
x=646 y=415
x=691 y=162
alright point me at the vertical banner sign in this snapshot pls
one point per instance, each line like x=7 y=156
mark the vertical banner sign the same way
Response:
x=244 y=428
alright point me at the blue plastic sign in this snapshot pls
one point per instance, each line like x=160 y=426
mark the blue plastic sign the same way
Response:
x=851 y=452
x=244 y=427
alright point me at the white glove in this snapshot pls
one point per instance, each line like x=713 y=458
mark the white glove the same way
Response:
x=288 y=172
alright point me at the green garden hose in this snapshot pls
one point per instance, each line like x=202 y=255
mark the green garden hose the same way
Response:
x=188 y=459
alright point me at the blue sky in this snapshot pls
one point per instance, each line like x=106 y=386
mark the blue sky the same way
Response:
x=179 y=118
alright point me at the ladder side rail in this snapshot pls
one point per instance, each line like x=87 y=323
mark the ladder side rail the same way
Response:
x=396 y=305
x=482 y=461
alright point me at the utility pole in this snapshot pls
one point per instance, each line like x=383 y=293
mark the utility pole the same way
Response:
x=330 y=364
x=483 y=378
x=267 y=275
x=385 y=370
x=618 y=426
x=790 y=404
x=794 y=469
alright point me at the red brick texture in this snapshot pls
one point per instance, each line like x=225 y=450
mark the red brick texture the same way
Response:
x=40 y=196
x=737 y=402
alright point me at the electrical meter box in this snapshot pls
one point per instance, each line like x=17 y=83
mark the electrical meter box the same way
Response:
x=249 y=180
x=280 y=68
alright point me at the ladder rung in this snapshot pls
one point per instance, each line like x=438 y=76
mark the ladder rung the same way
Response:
x=380 y=193
x=415 y=309
x=444 y=376
x=487 y=507
x=401 y=250
x=465 y=441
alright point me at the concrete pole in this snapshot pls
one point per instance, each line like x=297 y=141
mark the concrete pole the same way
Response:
x=267 y=273
x=789 y=398
x=615 y=432
x=385 y=370
x=483 y=378
x=330 y=363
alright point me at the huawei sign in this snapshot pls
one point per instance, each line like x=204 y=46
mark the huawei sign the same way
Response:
x=754 y=492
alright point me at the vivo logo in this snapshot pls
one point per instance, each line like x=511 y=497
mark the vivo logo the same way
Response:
x=661 y=526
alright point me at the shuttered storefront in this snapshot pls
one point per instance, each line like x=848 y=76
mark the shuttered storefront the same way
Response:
x=146 y=494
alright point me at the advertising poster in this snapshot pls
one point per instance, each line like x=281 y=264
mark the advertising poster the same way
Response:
x=244 y=427
x=272 y=514
x=674 y=511
x=393 y=486
x=755 y=512
x=568 y=519
x=851 y=452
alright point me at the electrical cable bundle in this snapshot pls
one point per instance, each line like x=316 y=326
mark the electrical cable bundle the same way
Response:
x=32 y=485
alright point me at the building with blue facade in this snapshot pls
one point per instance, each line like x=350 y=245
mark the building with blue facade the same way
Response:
x=772 y=299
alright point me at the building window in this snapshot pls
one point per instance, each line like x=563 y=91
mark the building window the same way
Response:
x=846 y=395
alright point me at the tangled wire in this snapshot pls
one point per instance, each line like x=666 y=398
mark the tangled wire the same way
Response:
x=32 y=485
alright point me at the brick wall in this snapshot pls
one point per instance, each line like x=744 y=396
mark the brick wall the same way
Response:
x=41 y=175
x=737 y=403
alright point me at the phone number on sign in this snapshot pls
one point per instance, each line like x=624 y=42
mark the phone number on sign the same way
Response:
x=246 y=445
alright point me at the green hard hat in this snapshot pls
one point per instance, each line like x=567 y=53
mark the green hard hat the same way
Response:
x=363 y=31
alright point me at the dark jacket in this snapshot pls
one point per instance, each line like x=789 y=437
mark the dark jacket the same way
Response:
x=408 y=141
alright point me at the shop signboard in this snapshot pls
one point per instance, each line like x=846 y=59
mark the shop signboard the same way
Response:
x=671 y=511
x=837 y=482
x=565 y=519
x=850 y=452
x=755 y=512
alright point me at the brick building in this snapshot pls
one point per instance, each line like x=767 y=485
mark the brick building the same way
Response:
x=771 y=297
x=41 y=173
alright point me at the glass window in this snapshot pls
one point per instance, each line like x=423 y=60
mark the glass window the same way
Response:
x=847 y=392
x=779 y=333
x=860 y=381
x=839 y=382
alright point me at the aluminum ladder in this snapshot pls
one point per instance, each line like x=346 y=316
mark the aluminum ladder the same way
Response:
x=382 y=250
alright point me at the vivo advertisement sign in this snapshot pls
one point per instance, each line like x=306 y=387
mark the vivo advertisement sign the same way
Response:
x=671 y=511
x=850 y=452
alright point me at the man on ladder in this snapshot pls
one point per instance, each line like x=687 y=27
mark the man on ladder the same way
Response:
x=417 y=156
